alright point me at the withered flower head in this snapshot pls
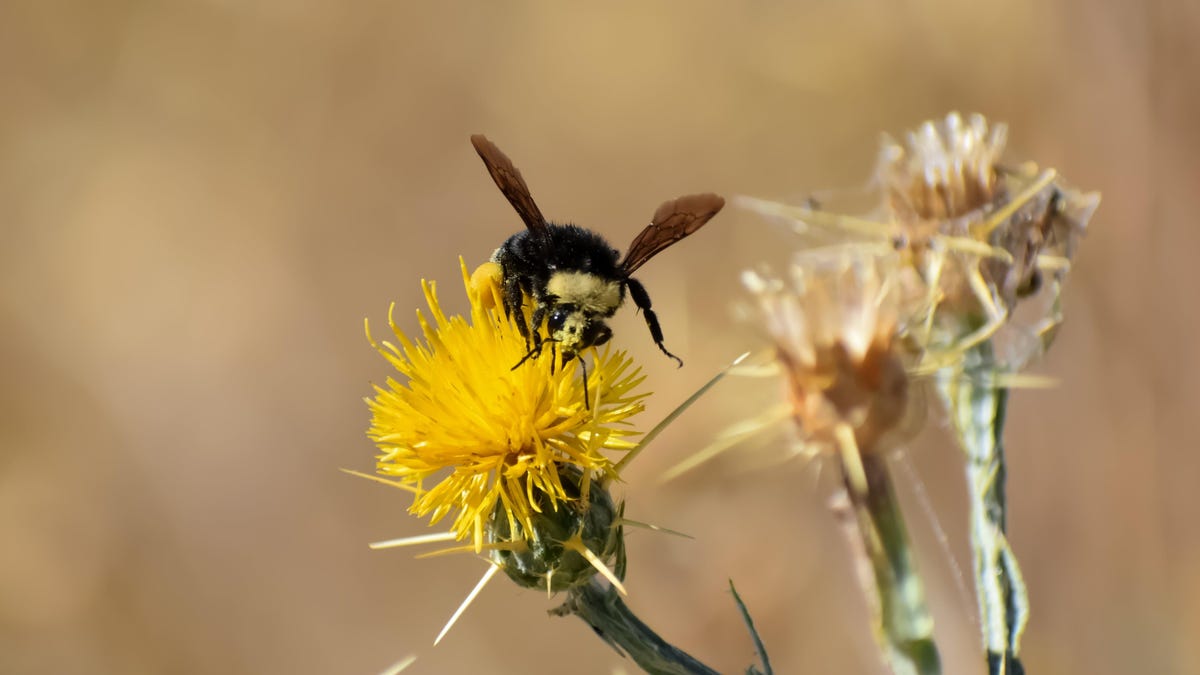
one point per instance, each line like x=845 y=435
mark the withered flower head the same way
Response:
x=834 y=321
x=947 y=190
x=946 y=170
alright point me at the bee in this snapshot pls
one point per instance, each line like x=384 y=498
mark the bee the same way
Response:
x=575 y=278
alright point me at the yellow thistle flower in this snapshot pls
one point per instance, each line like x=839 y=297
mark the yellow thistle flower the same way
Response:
x=489 y=436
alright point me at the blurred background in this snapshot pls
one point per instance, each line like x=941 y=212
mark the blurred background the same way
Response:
x=200 y=201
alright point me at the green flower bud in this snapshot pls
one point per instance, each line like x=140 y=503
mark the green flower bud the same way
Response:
x=551 y=556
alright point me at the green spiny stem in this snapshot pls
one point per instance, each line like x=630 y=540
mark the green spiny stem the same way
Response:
x=904 y=627
x=616 y=624
x=977 y=410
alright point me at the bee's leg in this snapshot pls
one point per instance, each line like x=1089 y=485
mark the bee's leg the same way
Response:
x=587 y=398
x=539 y=315
x=603 y=335
x=531 y=352
x=535 y=349
x=514 y=297
x=642 y=300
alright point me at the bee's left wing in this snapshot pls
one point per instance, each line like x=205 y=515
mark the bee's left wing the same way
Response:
x=673 y=221
x=510 y=182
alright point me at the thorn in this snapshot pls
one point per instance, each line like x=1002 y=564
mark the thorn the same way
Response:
x=412 y=541
x=487 y=576
x=575 y=543
x=385 y=481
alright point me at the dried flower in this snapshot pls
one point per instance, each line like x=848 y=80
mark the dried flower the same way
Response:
x=834 y=323
x=948 y=182
x=976 y=237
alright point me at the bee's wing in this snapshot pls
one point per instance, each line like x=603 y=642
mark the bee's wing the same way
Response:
x=673 y=221
x=510 y=182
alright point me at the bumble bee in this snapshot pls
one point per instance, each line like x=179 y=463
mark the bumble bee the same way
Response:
x=575 y=278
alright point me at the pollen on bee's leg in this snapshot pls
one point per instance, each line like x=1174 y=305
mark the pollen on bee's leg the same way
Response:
x=486 y=282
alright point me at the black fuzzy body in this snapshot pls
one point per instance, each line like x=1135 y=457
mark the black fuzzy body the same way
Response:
x=533 y=258
x=529 y=259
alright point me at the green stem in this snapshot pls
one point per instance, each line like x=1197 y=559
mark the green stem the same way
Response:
x=904 y=626
x=977 y=410
x=616 y=624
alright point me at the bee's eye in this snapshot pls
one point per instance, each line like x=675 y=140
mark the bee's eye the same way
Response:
x=557 y=318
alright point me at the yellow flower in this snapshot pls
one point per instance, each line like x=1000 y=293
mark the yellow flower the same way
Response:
x=472 y=434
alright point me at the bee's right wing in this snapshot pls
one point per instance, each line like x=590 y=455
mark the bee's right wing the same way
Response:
x=510 y=182
x=673 y=221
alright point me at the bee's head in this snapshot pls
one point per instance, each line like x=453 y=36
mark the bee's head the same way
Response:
x=576 y=330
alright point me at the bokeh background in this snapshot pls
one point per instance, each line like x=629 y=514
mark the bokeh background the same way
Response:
x=200 y=201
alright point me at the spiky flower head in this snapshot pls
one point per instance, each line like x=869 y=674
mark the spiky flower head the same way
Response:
x=473 y=436
x=947 y=169
x=976 y=236
x=834 y=321
x=946 y=189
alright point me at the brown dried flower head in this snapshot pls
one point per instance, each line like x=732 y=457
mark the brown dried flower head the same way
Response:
x=834 y=322
x=946 y=189
x=974 y=236
x=946 y=170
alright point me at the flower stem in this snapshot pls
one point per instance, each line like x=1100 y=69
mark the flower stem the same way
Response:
x=903 y=625
x=616 y=624
x=977 y=410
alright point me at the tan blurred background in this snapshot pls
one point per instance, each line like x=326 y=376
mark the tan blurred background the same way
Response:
x=200 y=201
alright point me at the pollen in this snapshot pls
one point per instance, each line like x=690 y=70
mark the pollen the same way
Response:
x=485 y=283
x=470 y=434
